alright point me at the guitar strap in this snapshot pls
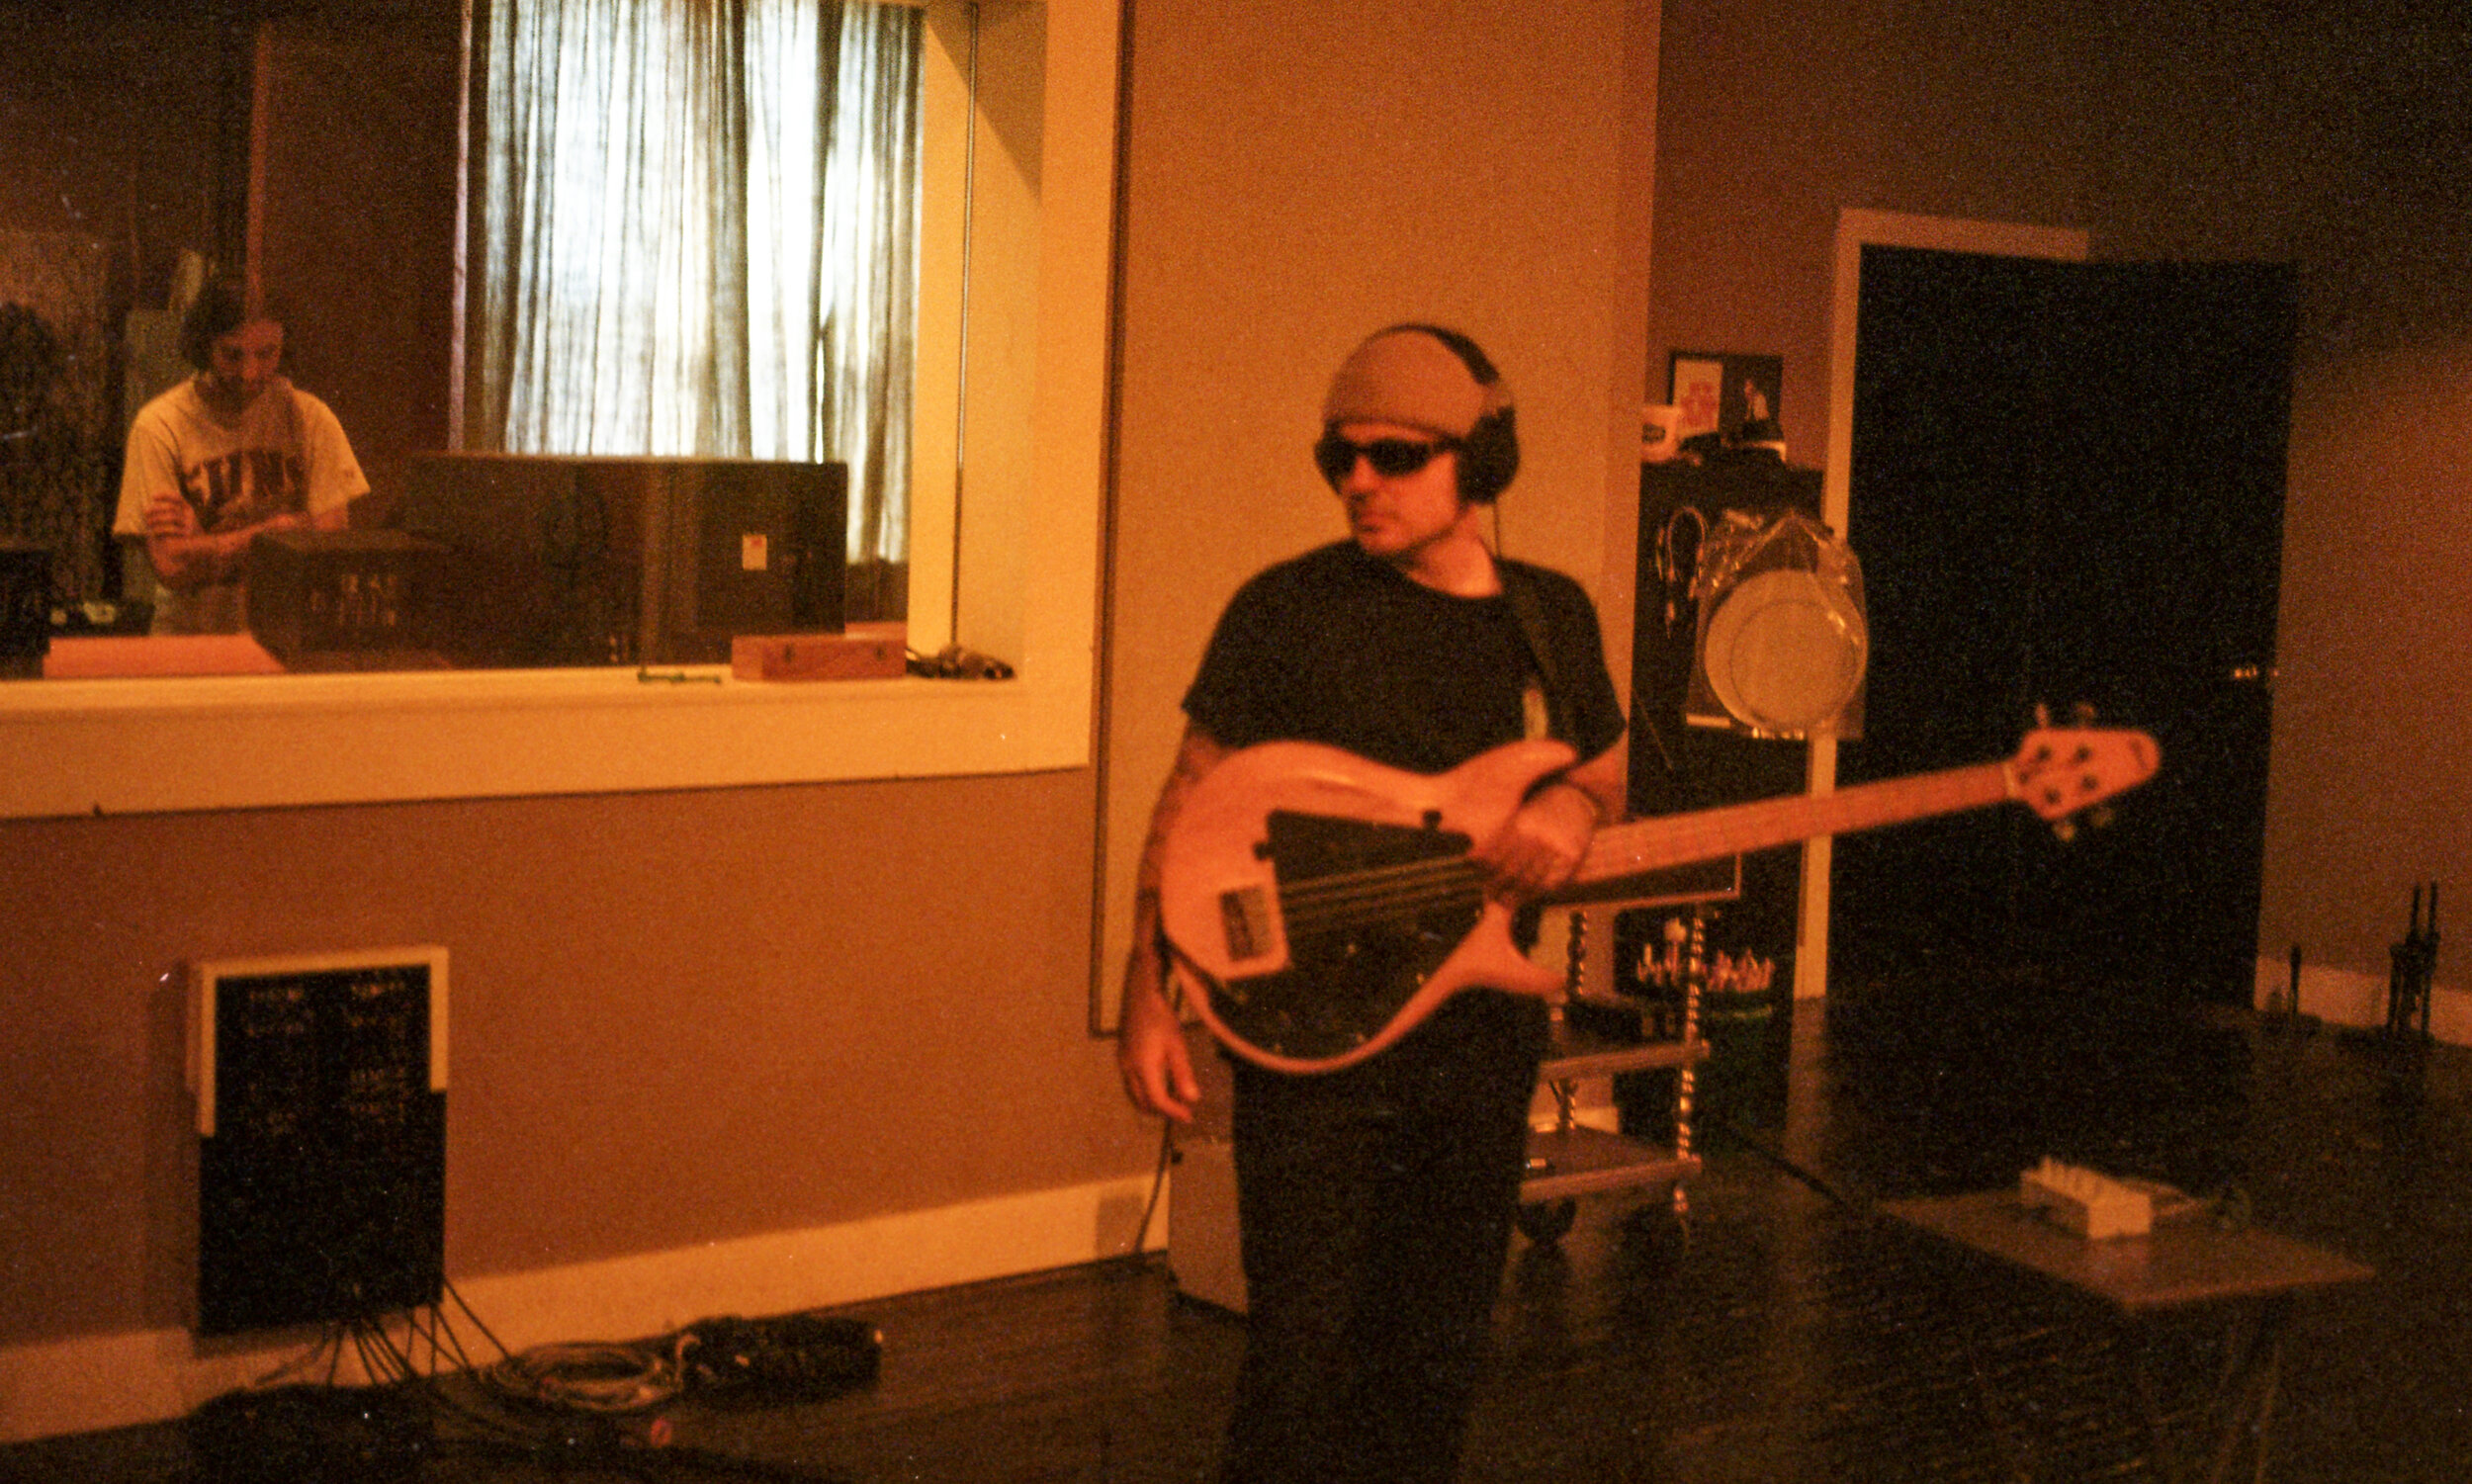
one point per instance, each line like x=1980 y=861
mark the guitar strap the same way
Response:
x=1547 y=713
x=1528 y=610
x=1529 y=613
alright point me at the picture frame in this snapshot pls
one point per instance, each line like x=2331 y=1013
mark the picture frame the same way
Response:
x=1718 y=392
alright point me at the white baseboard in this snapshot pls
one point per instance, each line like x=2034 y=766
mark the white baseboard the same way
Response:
x=87 y=1383
x=2347 y=997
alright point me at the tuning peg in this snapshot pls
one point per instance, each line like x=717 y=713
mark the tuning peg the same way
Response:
x=2065 y=829
x=2042 y=713
x=2099 y=817
x=2082 y=714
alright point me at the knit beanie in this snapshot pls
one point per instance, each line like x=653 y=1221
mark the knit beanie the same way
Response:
x=1408 y=376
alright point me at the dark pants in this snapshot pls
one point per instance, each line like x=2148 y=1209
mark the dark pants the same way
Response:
x=1375 y=1208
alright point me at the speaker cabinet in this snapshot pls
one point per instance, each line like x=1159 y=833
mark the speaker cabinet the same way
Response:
x=581 y=560
x=320 y=1087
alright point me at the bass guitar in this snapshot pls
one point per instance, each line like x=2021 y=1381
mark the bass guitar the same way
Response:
x=1325 y=905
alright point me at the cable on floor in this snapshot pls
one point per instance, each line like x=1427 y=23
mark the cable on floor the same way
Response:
x=606 y=1378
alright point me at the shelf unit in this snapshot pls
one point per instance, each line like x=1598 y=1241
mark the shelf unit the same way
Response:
x=1580 y=1161
x=1569 y=1160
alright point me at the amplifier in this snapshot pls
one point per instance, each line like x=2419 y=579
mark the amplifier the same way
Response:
x=344 y=600
x=1203 y=1250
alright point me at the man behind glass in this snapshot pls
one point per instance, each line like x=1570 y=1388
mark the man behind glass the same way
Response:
x=231 y=452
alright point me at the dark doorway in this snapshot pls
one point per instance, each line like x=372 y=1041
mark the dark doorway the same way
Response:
x=2066 y=487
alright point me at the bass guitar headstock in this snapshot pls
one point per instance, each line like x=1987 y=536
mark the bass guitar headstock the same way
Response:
x=2059 y=772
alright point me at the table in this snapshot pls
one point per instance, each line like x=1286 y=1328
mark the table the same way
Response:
x=2177 y=1267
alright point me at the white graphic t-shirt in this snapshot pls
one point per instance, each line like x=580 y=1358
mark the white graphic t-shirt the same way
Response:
x=285 y=452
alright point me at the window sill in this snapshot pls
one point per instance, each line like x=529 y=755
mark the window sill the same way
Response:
x=117 y=746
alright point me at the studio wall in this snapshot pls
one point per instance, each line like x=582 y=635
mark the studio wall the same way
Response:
x=2165 y=129
x=1298 y=176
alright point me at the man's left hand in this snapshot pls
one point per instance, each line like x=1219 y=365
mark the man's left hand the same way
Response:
x=1541 y=846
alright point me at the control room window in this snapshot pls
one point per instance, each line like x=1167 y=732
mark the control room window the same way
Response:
x=697 y=234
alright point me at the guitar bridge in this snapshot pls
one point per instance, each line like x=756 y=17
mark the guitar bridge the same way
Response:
x=1245 y=922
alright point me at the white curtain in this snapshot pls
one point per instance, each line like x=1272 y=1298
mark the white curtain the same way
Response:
x=699 y=221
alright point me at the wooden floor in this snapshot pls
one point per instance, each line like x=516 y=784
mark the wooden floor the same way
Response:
x=1780 y=1333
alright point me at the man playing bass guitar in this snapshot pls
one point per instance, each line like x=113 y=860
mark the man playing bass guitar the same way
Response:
x=1376 y=1200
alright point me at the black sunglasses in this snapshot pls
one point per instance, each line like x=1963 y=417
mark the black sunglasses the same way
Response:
x=1391 y=458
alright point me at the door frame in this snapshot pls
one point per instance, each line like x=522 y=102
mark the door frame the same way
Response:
x=1859 y=227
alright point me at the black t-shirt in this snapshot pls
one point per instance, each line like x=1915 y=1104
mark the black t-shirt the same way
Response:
x=1339 y=648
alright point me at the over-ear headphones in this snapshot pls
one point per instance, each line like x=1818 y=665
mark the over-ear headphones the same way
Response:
x=1489 y=453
